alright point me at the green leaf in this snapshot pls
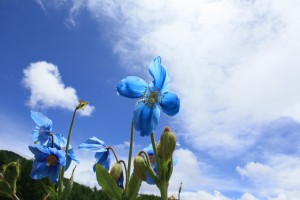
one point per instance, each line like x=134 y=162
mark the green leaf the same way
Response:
x=68 y=187
x=133 y=186
x=51 y=193
x=107 y=183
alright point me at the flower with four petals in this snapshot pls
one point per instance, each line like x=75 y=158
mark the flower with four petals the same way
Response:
x=152 y=95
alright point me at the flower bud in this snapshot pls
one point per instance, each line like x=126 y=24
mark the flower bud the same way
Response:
x=167 y=144
x=140 y=167
x=82 y=104
x=116 y=171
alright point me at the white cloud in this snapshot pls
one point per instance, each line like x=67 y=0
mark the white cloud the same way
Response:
x=47 y=89
x=277 y=179
x=232 y=62
x=234 y=65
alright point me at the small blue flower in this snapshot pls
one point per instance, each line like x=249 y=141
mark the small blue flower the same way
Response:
x=47 y=162
x=43 y=127
x=102 y=154
x=60 y=142
x=146 y=112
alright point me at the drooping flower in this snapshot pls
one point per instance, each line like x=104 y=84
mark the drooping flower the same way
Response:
x=152 y=95
x=102 y=154
x=47 y=162
x=43 y=127
x=60 y=142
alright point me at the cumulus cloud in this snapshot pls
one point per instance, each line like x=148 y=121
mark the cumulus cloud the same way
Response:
x=47 y=89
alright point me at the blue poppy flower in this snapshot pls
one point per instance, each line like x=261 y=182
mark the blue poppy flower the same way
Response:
x=102 y=154
x=154 y=94
x=47 y=162
x=43 y=127
x=60 y=142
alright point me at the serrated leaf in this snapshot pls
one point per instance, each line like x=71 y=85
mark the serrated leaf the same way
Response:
x=133 y=186
x=68 y=187
x=107 y=183
x=51 y=193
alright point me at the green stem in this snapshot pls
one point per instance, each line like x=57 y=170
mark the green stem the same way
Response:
x=130 y=155
x=112 y=149
x=164 y=190
x=157 y=160
x=14 y=197
x=125 y=169
x=150 y=168
x=61 y=184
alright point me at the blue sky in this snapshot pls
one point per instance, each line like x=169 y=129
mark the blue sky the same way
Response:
x=234 y=65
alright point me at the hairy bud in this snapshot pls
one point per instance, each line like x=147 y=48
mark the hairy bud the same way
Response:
x=116 y=171
x=167 y=144
x=140 y=167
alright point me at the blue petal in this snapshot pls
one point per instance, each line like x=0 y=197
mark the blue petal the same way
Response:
x=170 y=103
x=39 y=170
x=103 y=158
x=145 y=119
x=161 y=78
x=71 y=157
x=41 y=120
x=149 y=150
x=121 y=181
x=93 y=144
x=132 y=87
x=149 y=180
x=54 y=174
x=39 y=150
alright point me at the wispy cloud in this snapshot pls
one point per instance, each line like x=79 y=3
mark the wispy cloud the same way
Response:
x=47 y=89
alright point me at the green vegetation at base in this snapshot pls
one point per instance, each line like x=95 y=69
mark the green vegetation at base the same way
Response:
x=29 y=189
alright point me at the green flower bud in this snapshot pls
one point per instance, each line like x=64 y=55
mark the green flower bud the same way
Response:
x=167 y=144
x=11 y=173
x=116 y=171
x=140 y=167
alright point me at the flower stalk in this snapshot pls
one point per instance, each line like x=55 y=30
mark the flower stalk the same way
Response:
x=82 y=104
x=130 y=155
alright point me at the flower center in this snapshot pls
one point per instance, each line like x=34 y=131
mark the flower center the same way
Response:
x=152 y=97
x=52 y=160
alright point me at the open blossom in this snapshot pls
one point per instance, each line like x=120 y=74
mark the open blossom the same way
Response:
x=47 y=162
x=102 y=154
x=60 y=142
x=44 y=135
x=152 y=95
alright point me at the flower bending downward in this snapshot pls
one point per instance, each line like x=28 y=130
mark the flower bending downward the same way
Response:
x=102 y=154
x=152 y=95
